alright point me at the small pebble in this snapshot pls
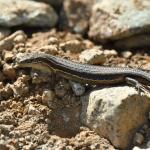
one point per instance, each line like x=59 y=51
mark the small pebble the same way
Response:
x=92 y=56
x=47 y=96
x=9 y=71
x=127 y=54
x=49 y=49
x=8 y=55
x=109 y=53
x=139 y=138
x=77 y=88
x=21 y=38
x=53 y=41
x=20 y=88
x=73 y=46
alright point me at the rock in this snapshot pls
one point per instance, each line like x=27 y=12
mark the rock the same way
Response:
x=139 y=138
x=135 y=41
x=53 y=41
x=92 y=56
x=9 y=71
x=75 y=15
x=73 y=46
x=20 y=38
x=26 y=13
x=127 y=54
x=47 y=96
x=20 y=87
x=77 y=88
x=115 y=113
x=109 y=53
x=8 y=56
x=4 y=32
x=113 y=20
x=49 y=49
x=8 y=42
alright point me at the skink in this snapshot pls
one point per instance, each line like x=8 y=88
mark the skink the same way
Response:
x=84 y=73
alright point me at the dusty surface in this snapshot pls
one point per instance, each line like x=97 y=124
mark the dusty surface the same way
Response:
x=33 y=113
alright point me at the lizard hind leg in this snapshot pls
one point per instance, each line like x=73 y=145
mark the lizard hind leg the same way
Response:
x=140 y=87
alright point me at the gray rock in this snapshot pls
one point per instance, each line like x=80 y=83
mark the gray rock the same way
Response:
x=75 y=15
x=27 y=13
x=115 y=113
x=77 y=88
x=139 y=138
x=113 y=20
x=92 y=56
x=142 y=40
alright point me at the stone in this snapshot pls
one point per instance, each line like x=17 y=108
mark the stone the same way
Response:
x=53 y=41
x=139 y=138
x=126 y=54
x=136 y=41
x=9 y=71
x=8 y=56
x=49 y=49
x=26 y=13
x=110 y=53
x=77 y=88
x=114 y=20
x=20 y=87
x=115 y=113
x=92 y=56
x=74 y=46
x=75 y=15
x=47 y=96
x=8 y=42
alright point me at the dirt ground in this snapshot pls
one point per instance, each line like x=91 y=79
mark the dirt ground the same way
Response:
x=33 y=114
